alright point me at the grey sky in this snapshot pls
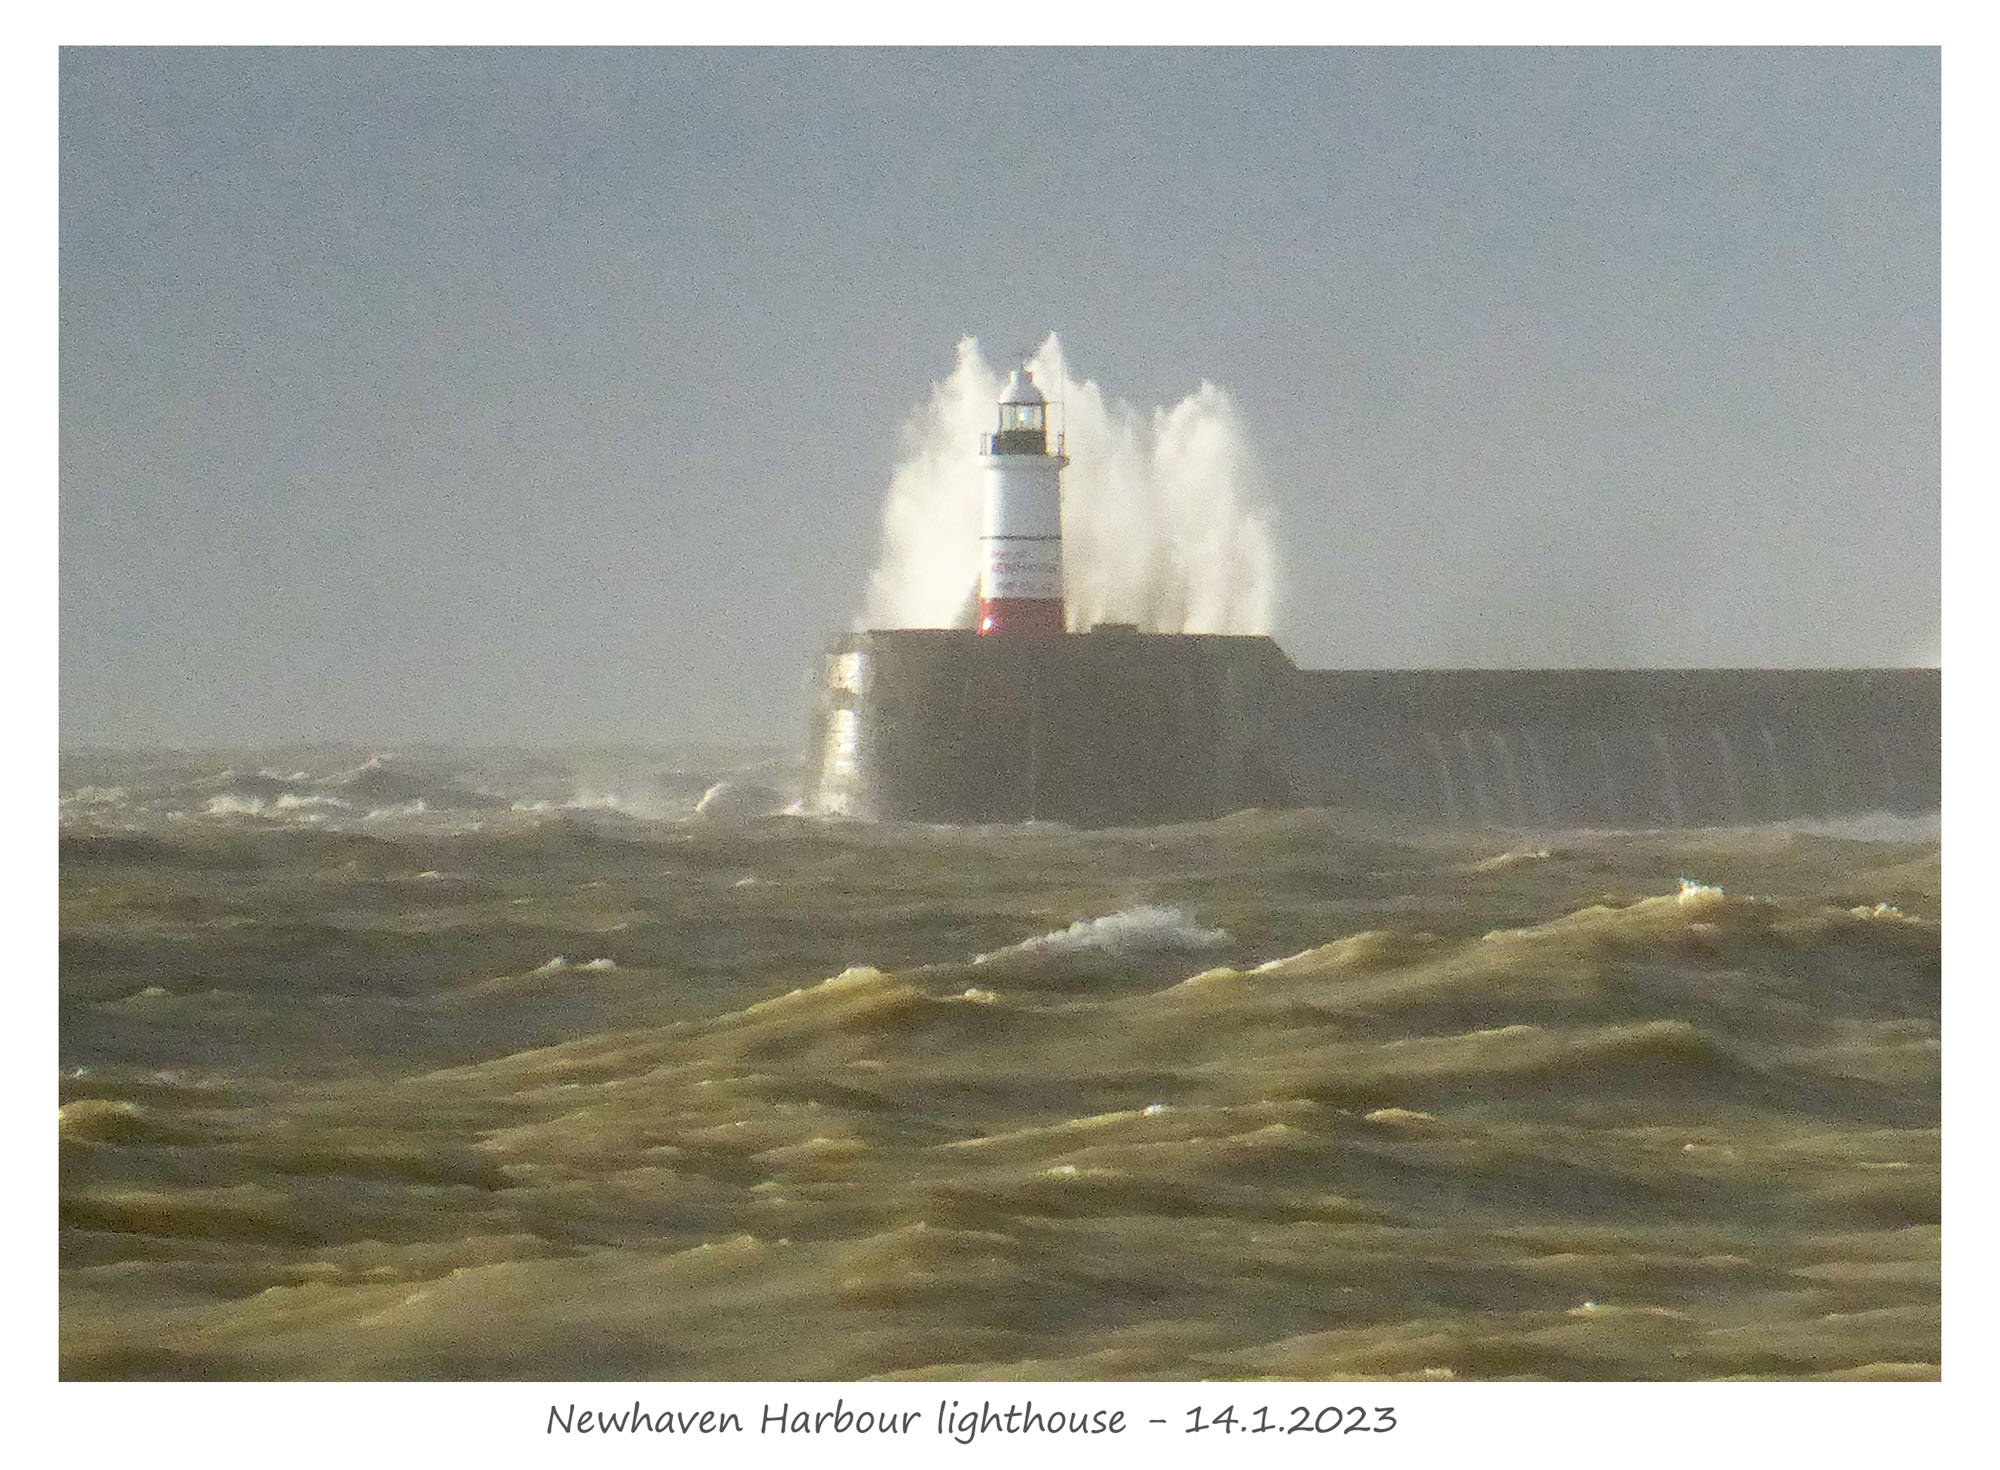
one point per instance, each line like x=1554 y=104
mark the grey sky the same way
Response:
x=551 y=396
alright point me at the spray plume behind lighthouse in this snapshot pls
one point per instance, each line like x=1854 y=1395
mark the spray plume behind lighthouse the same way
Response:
x=1165 y=523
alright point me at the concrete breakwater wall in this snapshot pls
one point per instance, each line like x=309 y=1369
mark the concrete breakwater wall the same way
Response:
x=1617 y=747
x=1116 y=726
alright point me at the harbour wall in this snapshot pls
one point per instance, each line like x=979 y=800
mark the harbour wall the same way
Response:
x=1116 y=727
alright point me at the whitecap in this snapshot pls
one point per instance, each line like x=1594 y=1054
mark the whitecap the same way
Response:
x=739 y=801
x=1694 y=892
x=97 y=796
x=292 y=803
x=1149 y=928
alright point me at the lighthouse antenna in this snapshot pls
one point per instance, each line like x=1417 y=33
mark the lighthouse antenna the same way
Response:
x=1061 y=401
x=1026 y=356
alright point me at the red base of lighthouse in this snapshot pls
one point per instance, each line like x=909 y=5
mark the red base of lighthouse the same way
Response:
x=1018 y=616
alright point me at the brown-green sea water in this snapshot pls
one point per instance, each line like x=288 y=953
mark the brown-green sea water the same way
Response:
x=478 y=1068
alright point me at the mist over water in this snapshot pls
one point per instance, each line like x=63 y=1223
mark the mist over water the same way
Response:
x=1166 y=521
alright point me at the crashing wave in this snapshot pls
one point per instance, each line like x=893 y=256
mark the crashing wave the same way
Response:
x=739 y=801
x=1147 y=929
x=1167 y=521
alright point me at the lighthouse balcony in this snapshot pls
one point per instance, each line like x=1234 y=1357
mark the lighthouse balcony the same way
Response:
x=1018 y=441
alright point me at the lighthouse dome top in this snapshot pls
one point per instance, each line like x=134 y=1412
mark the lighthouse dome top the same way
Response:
x=1021 y=389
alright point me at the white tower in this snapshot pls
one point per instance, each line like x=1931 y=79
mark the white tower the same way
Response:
x=1020 y=575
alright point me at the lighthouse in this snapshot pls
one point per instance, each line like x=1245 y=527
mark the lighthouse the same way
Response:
x=1020 y=536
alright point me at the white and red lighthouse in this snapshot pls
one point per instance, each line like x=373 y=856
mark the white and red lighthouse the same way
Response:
x=1020 y=571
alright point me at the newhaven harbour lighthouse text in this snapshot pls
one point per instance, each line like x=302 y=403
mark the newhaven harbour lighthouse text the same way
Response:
x=952 y=1420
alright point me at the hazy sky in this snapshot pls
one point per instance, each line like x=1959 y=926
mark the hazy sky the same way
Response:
x=535 y=396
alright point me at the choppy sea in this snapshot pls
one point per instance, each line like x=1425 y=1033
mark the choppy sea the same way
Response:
x=448 y=1064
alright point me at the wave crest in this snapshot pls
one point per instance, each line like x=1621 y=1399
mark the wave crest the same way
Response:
x=1149 y=928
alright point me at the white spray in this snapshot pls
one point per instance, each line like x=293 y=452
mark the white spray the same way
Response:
x=1165 y=520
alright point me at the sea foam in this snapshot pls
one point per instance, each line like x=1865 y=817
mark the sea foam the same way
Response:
x=1149 y=928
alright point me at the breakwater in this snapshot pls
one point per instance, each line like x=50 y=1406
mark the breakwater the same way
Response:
x=1117 y=726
